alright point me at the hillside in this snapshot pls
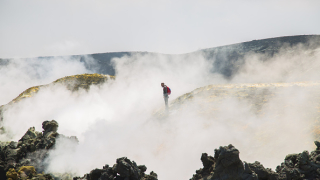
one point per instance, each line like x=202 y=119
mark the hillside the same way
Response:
x=226 y=59
x=72 y=83
x=267 y=103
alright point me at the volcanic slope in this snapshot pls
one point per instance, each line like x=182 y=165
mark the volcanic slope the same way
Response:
x=258 y=94
x=242 y=106
x=72 y=83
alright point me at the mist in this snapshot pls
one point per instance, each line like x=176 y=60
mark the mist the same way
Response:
x=20 y=74
x=117 y=118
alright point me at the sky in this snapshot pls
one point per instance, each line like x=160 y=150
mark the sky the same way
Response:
x=57 y=27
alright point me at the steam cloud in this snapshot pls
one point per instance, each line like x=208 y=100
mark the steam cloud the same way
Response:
x=20 y=74
x=117 y=120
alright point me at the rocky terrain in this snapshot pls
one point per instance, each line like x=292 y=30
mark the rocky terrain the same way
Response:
x=124 y=169
x=25 y=159
x=226 y=164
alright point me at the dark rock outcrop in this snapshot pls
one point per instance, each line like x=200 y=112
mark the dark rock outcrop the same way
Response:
x=225 y=165
x=301 y=166
x=124 y=169
x=28 y=154
x=263 y=173
x=295 y=166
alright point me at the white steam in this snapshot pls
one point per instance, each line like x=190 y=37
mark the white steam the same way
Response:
x=117 y=119
x=20 y=74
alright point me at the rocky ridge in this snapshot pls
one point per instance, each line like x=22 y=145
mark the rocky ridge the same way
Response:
x=226 y=165
x=226 y=59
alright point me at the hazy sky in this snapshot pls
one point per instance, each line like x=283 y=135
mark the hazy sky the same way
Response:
x=61 y=27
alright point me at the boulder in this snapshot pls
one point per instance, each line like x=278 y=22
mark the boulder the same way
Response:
x=49 y=127
x=124 y=169
x=225 y=165
x=29 y=153
x=317 y=143
x=263 y=173
x=127 y=169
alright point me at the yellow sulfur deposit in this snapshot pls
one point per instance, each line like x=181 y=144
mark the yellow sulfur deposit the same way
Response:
x=73 y=83
x=27 y=171
x=27 y=93
x=12 y=174
x=82 y=81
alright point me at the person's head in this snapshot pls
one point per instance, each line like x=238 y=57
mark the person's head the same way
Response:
x=162 y=84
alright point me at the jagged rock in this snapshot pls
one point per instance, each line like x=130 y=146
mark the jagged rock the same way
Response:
x=301 y=166
x=152 y=176
x=207 y=161
x=33 y=140
x=263 y=173
x=49 y=127
x=30 y=134
x=124 y=169
x=259 y=170
x=127 y=169
x=142 y=168
x=29 y=152
x=95 y=174
x=225 y=165
x=317 y=143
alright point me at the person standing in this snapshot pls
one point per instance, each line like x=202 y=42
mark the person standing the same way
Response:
x=165 y=95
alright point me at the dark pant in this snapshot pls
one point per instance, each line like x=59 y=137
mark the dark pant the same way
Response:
x=166 y=101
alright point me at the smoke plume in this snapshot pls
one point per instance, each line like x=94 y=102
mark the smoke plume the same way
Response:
x=117 y=119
